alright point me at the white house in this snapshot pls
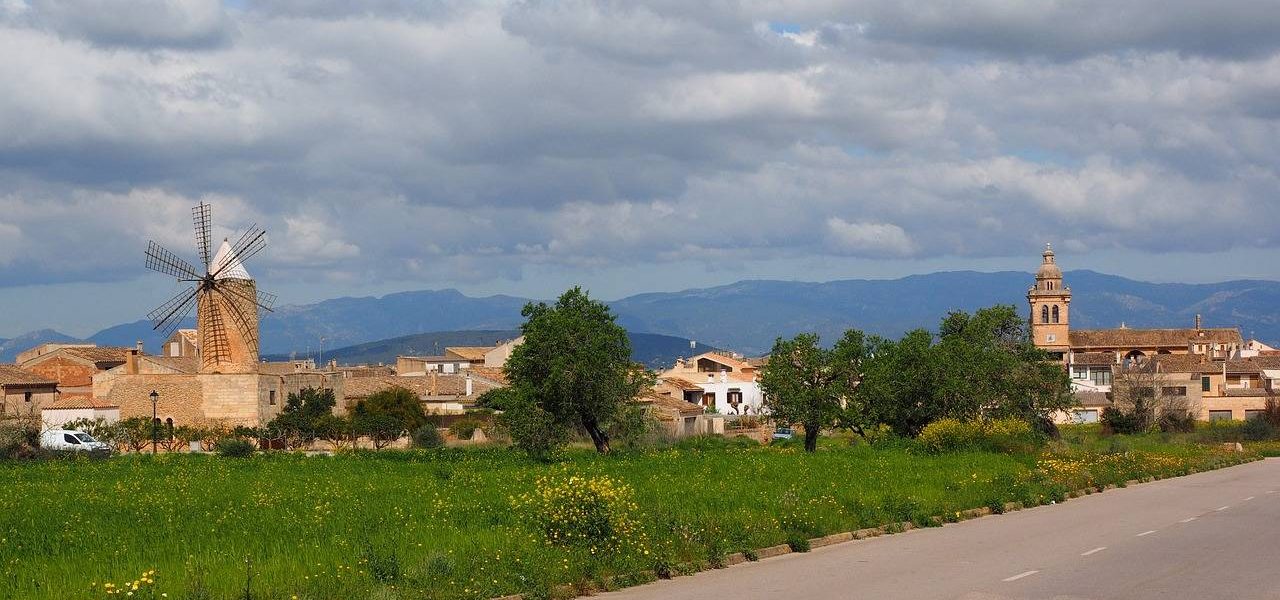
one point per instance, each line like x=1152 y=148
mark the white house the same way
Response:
x=728 y=384
x=75 y=407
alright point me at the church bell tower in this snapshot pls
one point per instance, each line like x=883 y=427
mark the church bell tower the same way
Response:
x=1050 y=307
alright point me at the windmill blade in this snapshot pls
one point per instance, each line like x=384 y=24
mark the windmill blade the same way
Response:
x=162 y=260
x=249 y=244
x=242 y=322
x=264 y=300
x=201 y=218
x=168 y=315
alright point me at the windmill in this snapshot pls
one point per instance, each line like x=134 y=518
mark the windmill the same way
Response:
x=224 y=296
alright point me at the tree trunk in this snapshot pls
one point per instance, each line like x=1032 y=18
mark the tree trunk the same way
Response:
x=811 y=438
x=598 y=437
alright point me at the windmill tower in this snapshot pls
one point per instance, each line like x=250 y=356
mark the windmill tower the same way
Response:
x=225 y=297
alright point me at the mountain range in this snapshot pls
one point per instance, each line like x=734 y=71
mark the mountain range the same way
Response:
x=650 y=349
x=747 y=316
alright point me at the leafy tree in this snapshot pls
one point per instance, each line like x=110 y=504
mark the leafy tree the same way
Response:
x=400 y=403
x=296 y=422
x=134 y=433
x=532 y=429
x=811 y=385
x=338 y=431
x=498 y=398
x=986 y=366
x=897 y=387
x=575 y=364
x=382 y=428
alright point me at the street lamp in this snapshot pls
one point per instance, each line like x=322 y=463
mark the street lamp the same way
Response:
x=155 y=397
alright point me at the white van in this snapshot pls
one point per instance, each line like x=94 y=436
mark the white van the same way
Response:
x=71 y=440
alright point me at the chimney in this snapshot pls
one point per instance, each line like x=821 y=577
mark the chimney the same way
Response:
x=469 y=388
x=131 y=362
x=138 y=345
x=1197 y=321
x=434 y=378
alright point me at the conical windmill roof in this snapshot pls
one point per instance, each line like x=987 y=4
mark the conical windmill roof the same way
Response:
x=234 y=269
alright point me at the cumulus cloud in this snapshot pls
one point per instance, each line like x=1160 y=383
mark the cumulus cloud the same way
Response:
x=441 y=142
x=868 y=239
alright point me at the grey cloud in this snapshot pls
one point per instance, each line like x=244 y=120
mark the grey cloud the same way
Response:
x=459 y=142
x=137 y=23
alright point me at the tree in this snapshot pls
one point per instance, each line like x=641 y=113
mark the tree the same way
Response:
x=399 y=403
x=532 y=429
x=808 y=384
x=1139 y=398
x=337 y=431
x=899 y=382
x=296 y=422
x=987 y=366
x=381 y=428
x=575 y=364
x=133 y=433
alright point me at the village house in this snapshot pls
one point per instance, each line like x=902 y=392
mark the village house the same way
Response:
x=1212 y=371
x=457 y=359
x=75 y=407
x=73 y=366
x=24 y=393
x=440 y=393
x=724 y=383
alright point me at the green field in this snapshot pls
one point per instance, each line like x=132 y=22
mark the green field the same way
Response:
x=445 y=523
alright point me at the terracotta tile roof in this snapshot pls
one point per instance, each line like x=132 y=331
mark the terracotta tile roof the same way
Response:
x=104 y=354
x=13 y=375
x=682 y=384
x=1185 y=363
x=1092 y=399
x=469 y=352
x=177 y=364
x=367 y=371
x=1093 y=358
x=1141 y=338
x=422 y=385
x=1246 y=393
x=667 y=404
x=494 y=375
x=70 y=401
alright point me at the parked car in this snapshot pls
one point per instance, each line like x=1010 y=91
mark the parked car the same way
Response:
x=783 y=433
x=72 y=441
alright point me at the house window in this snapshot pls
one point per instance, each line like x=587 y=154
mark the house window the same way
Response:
x=1204 y=384
x=1055 y=313
x=1254 y=413
x=168 y=425
x=26 y=396
x=271 y=397
x=1220 y=415
x=1102 y=377
x=1080 y=372
x=1174 y=391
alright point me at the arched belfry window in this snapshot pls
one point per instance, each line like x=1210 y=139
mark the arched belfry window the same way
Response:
x=1044 y=314
x=1055 y=313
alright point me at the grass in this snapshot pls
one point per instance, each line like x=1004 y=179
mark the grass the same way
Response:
x=442 y=523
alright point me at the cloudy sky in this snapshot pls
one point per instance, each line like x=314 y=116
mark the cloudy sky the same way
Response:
x=520 y=147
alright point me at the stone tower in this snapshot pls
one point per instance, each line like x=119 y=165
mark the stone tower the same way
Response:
x=227 y=317
x=1050 y=307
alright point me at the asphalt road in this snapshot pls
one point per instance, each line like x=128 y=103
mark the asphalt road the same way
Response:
x=1204 y=536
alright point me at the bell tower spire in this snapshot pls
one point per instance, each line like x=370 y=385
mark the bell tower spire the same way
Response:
x=1050 y=307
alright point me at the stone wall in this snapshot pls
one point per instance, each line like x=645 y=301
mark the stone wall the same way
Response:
x=13 y=401
x=180 y=397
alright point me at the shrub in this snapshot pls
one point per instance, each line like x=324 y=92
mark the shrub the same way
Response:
x=1115 y=421
x=17 y=441
x=594 y=513
x=427 y=437
x=534 y=430
x=1012 y=436
x=1257 y=429
x=463 y=428
x=1177 y=422
x=231 y=447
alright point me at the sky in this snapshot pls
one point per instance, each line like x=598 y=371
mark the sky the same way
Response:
x=627 y=146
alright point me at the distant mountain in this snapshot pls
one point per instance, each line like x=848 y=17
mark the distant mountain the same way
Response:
x=747 y=316
x=651 y=349
x=10 y=348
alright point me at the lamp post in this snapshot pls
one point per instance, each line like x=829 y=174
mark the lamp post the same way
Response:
x=155 y=398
